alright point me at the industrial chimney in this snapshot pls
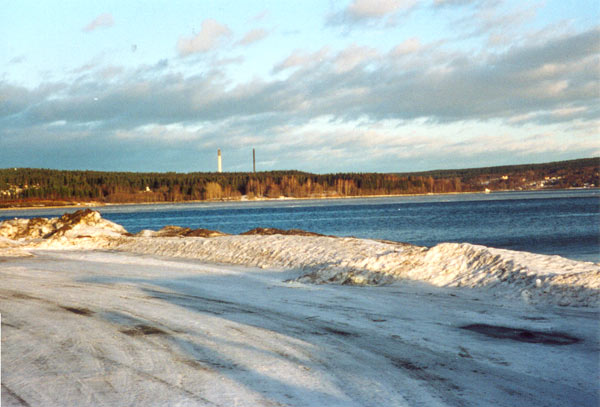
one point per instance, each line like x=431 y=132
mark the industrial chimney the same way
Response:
x=219 y=164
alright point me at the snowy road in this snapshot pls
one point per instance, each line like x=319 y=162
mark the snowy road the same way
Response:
x=106 y=328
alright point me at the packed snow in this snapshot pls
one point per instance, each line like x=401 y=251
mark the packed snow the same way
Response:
x=92 y=315
x=326 y=259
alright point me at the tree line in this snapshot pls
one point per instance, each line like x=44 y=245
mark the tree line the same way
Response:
x=30 y=185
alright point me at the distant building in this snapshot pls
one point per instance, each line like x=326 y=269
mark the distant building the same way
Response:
x=219 y=163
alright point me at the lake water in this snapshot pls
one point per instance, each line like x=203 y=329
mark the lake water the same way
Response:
x=566 y=223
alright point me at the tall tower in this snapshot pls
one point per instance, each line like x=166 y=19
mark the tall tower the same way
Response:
x=219 y=163
x=253 y=161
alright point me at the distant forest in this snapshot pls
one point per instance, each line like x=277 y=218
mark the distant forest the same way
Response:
x=31 y=187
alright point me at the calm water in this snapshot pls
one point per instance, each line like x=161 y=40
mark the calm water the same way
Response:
x=566 y=223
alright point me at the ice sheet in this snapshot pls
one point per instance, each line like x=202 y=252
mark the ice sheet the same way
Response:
x=110 y=328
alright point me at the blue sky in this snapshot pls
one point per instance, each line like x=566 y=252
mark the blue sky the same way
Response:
x=320 y=86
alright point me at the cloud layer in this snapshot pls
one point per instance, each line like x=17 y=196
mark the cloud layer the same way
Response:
x=366 y=107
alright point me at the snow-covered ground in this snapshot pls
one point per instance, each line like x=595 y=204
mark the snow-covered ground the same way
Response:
x=93 y=316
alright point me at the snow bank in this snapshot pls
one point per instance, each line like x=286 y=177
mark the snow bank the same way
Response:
x=533 y=277
x=81 y=224
x=12 y=248
x=325 y=259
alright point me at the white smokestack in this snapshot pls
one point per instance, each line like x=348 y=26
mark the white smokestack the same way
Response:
x=219 y=163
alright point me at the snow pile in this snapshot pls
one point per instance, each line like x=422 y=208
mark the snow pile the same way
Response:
x=69 y=229
x=171 y=231
x=12 y=248
x=328 y=259
x=534 y=278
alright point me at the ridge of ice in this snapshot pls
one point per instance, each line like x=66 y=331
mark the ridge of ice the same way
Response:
x=533 y=277
x=324 y=259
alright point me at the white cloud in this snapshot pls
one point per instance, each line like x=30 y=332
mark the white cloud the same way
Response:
x=353 y=56
x=163 y=134
x=110 y=72
x=209 y=37
x=260 y=16
x=444 y=3
x=380 y=147
x=102 y=21
x=376 y=9
x=501 y=25
x=371 y=12
x=408 y=46
x=560 y=114
x=303 y=59
x=17 y=60
x=253 y=36
x=568 y=111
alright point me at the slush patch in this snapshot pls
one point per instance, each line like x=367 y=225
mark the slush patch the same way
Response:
x=78 y=311
x=522 y=335
x=142 y=330
x=339 y=332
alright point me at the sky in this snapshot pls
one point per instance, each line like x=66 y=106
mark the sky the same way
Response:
x=319 y=86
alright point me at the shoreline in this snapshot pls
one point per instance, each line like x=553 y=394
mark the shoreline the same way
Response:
x=82 y=205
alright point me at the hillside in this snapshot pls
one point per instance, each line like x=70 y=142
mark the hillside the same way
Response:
x=40 y=187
